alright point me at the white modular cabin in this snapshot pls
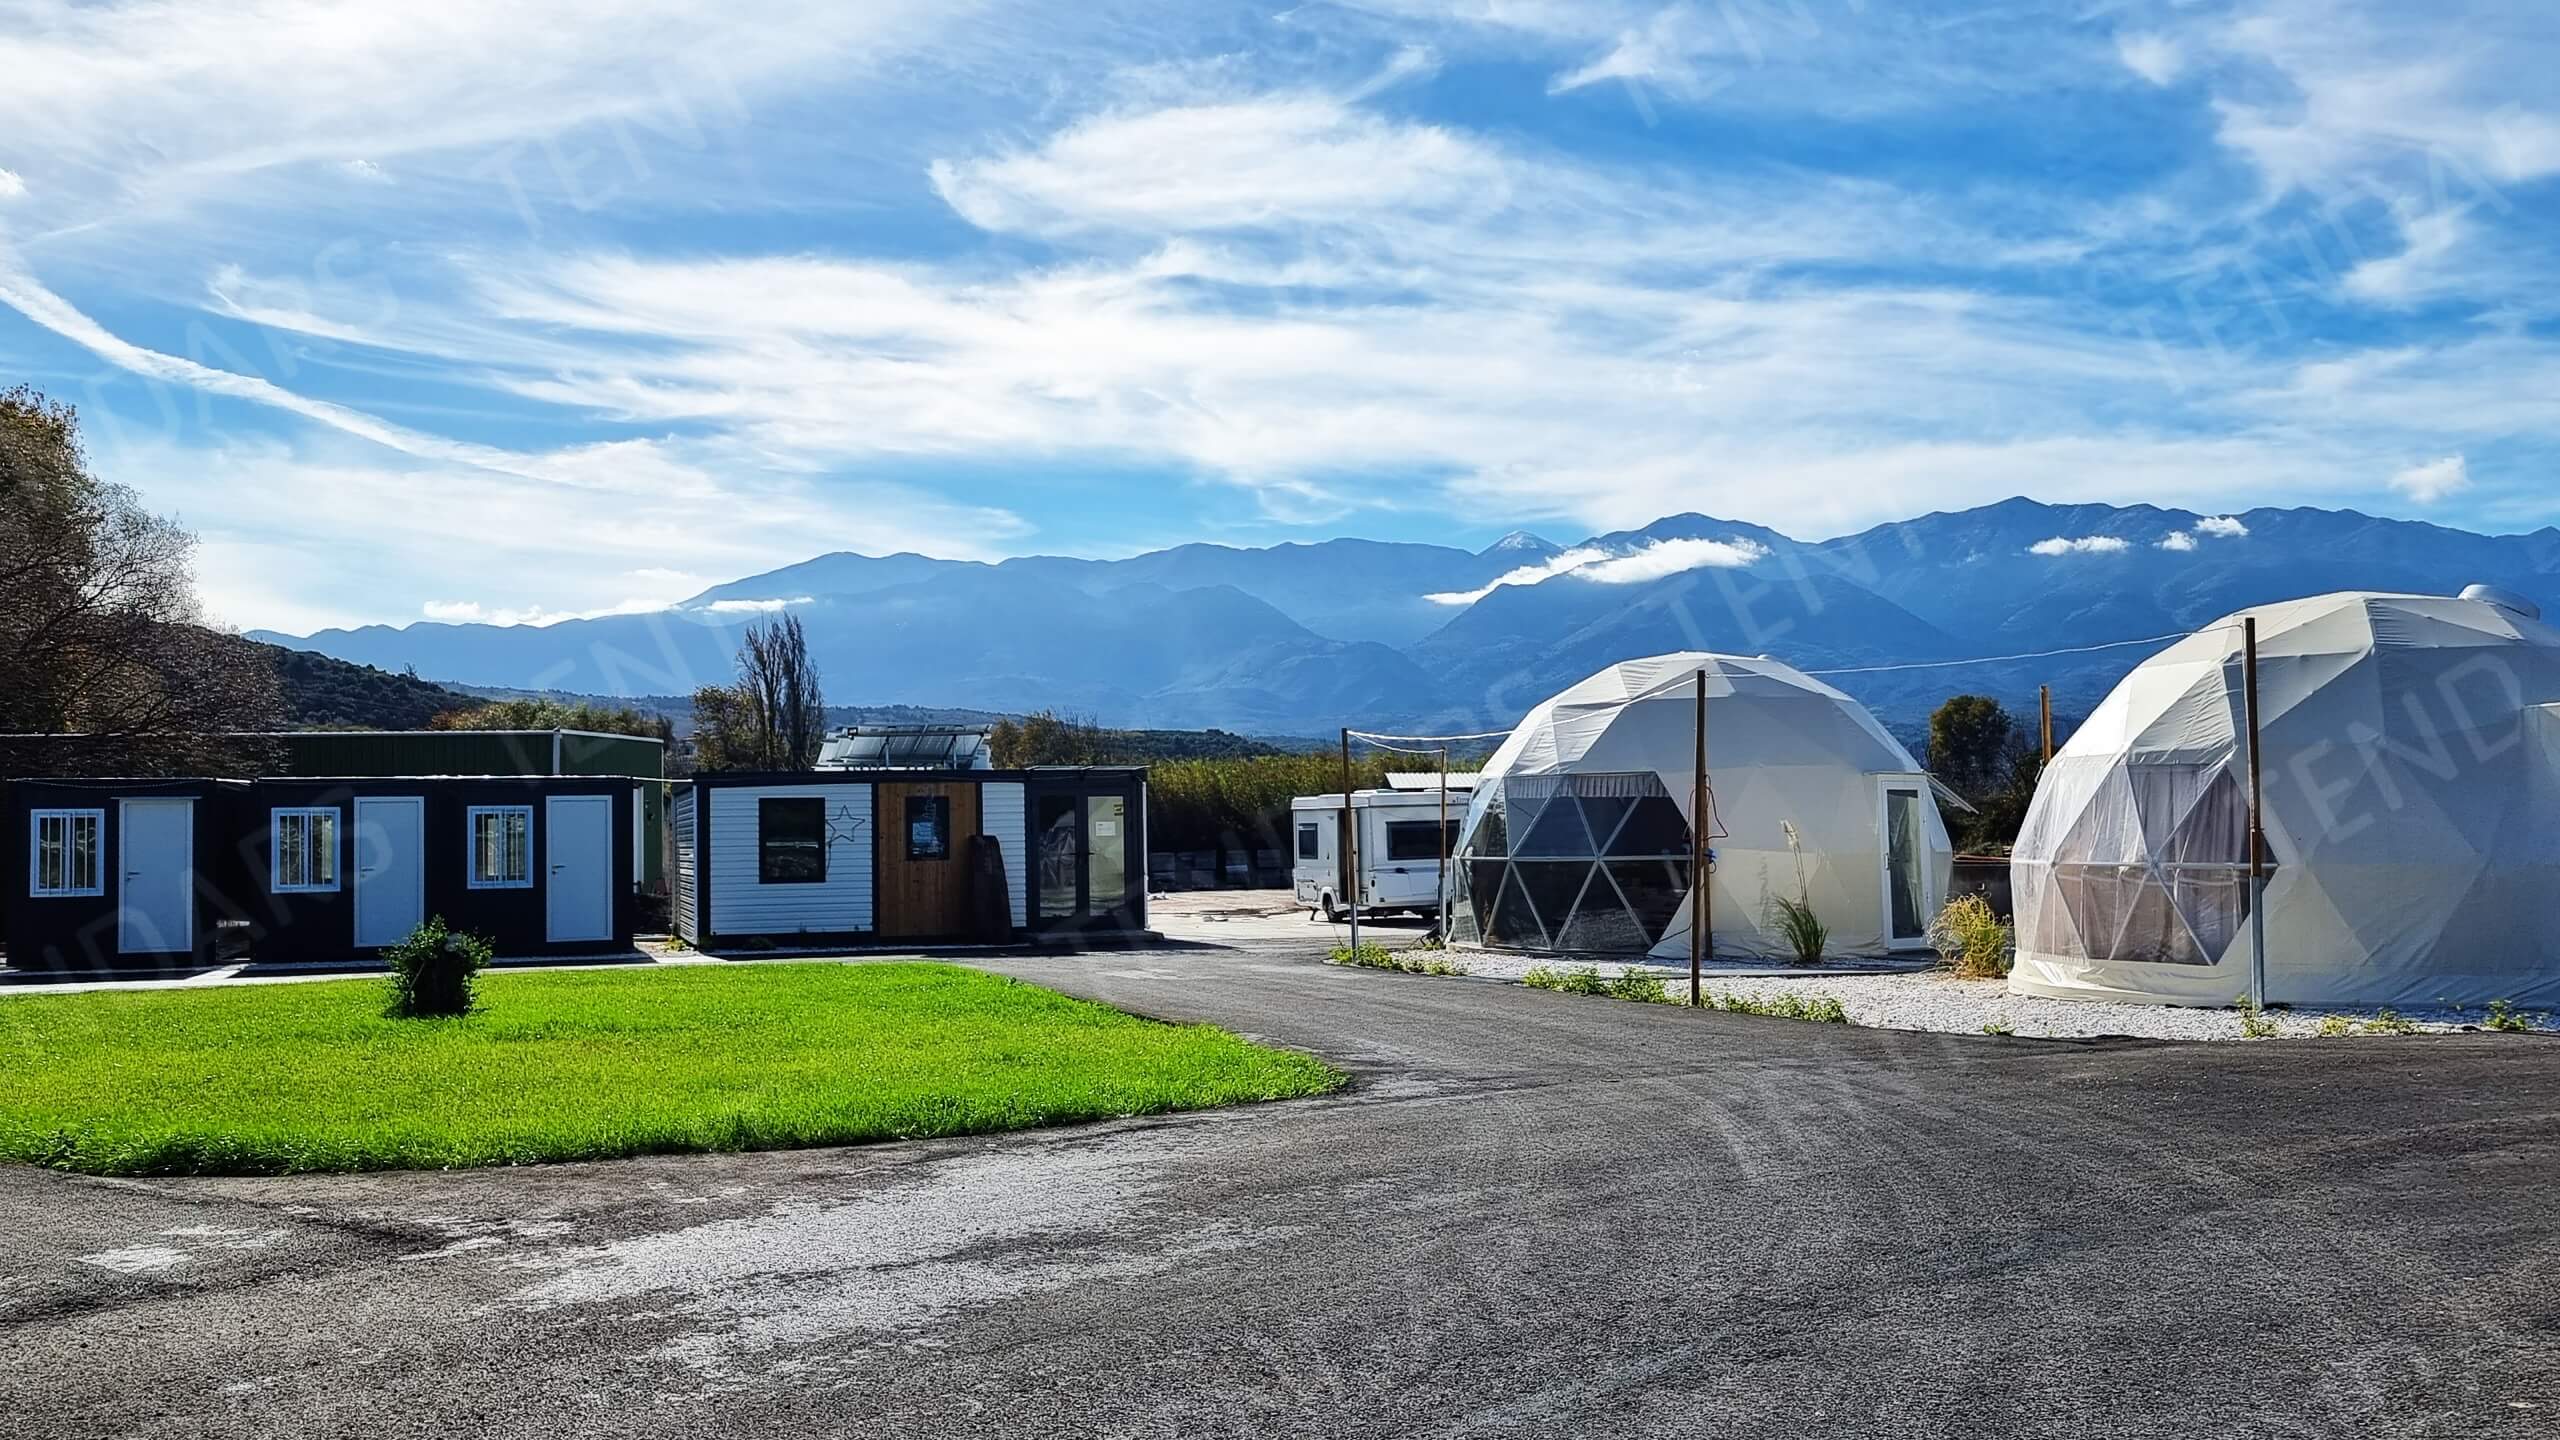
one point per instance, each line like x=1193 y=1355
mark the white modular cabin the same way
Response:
x=1403 y=833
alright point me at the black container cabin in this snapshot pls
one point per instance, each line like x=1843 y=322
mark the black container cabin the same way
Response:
x=118 y=874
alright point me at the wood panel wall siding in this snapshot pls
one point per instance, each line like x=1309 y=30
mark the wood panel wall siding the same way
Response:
x=924 y=835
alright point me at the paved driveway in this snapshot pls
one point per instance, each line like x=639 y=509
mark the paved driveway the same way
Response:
x=1534 y=1215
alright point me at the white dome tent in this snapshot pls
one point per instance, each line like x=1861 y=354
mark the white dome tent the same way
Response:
x=1578 y=840
x=2411 y=774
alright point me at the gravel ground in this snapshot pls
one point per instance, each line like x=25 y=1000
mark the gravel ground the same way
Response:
x=1929 y=999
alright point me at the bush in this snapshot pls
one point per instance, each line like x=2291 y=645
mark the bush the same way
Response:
x=1972 y=939
x=1417 y=961
x=1583 y=980
x=1641 y=985
x=2254 y=1022
x=2504 y=1016
x=2387 y=1021
x=432 y=971
x=1803 y=930
x=1786 y=1005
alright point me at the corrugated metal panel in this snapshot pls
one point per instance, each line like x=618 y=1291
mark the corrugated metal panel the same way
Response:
x=1000 y=814
x=684 y=887
x=466 y=752
x=741 y=904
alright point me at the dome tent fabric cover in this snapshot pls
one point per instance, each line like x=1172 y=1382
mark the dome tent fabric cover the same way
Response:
x=2411 y=768
x=1577 y=838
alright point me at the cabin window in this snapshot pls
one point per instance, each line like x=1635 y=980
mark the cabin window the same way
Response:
x=1309 y=846
x=67 y=857
x=1419 y=839
x=501 y=847
x=791 y=840
x=928 y=827
x=302 y=853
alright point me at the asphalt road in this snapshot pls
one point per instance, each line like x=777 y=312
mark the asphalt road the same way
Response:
x=1533 y=1215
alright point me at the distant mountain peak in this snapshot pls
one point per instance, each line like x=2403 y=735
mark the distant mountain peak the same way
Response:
x=1521 y=543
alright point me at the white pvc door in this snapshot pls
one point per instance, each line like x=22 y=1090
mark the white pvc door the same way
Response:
x=391 y=868
x=580 y=842
x=1904 y=831
x=155 y=909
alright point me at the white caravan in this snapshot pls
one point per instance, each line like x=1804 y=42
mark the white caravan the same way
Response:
x=1401 y=842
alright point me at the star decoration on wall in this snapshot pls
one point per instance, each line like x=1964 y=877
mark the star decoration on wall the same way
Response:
x=843 y=826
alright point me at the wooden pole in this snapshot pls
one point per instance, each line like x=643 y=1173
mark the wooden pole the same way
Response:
x=1441 y=923
x=2044 y=707
x=2257 y=818
x=1350 y=846
x=1698 y=813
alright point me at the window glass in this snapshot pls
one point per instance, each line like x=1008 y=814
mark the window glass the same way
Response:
x=1417 y=839
x=501 y=846
x=1309 y=847
x=928 y=827
x=303 y=850
x=66 y=853
x=791 y=840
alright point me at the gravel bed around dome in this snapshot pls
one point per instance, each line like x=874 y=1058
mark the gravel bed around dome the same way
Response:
x=1908 y=998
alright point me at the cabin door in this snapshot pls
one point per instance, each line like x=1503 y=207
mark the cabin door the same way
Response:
x=578 y=901
x=924 y=832
x=391 y=868
x=156 y=903
x=1903 y=818
x=1088 y=859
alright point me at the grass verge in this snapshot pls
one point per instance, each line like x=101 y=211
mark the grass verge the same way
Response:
x=583 y=1065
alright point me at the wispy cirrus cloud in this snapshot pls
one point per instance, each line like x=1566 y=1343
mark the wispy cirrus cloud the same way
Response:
x=1655 y=560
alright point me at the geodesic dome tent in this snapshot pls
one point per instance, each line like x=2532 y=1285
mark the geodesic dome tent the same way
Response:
x=2411 y=772
x=1577 y=838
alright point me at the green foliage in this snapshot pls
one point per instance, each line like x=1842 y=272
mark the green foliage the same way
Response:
x=2333 y=1026
x=1998 y=1026
x=1244 y=803
x=1639 y=985
x=325 y=693
x=1047 y=738
x=1969 y=743
x=2503 y=1016
x=2255 y=1024
x=2388 y=1021
x=1784 y=1005
x=432 y=972
x=1972 y=939
x=1804 y=932
x=1420 y=960
x=594 y=1064
x=533 y=712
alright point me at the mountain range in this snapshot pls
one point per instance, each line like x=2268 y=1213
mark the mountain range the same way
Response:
x=1300 y=638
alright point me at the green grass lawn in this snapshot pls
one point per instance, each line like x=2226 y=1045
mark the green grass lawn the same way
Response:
x=578 y=1065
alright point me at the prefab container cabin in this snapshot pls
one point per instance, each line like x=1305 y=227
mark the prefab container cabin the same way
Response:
x=335 y=869
x=117 y=874
x=807 y=858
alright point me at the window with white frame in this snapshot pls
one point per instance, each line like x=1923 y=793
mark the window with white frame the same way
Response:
x=501 y=847
x=67 y=855
x=303 y=851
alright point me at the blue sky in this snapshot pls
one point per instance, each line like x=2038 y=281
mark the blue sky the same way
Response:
x=423 y=309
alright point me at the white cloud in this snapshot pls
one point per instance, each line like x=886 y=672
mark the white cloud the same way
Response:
x=2178 y=540
x=2433 y=481
x=1655 y=560
x=2420 y=268
x=2223 y=527
x=368 y=171
x=752 y=607
x=2084 y=545
x=12 y=185
x=2155 y=58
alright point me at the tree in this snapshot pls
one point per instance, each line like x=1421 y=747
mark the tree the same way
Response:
x=774 y=717
x=1969 y=744
x=544 y=713
x=99 y=632
x=1048 y=738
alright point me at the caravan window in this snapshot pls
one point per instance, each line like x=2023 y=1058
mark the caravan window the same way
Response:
x=1309 y=846
x=65 y=858
x=791 y=840
x=302 y=851
x=501 y=847
x=1419 y=839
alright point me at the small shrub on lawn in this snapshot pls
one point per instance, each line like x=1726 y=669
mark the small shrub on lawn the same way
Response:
x=432 y=971
x=2387 y=1021
x=1639 y=985
x=1972 y=939
x=1365 y=955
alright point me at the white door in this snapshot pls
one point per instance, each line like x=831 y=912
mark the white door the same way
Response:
x=1902 y=818
x=579 y=844
x=391 y=868
x=155 y=910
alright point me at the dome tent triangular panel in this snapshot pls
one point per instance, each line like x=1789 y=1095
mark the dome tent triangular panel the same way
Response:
x=2405 y=743
x=1614 y=752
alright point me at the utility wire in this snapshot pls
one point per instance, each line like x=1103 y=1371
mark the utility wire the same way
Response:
x=2029 y=655
x=1381 y=740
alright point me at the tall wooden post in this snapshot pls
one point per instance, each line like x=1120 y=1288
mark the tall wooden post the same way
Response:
x=2044 y=708
x=2257 y=817
x=1350 y=846
x=1443 y=923
x=1699 y=911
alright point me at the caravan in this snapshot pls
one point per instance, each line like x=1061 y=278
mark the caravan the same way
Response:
x=1405 y=829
